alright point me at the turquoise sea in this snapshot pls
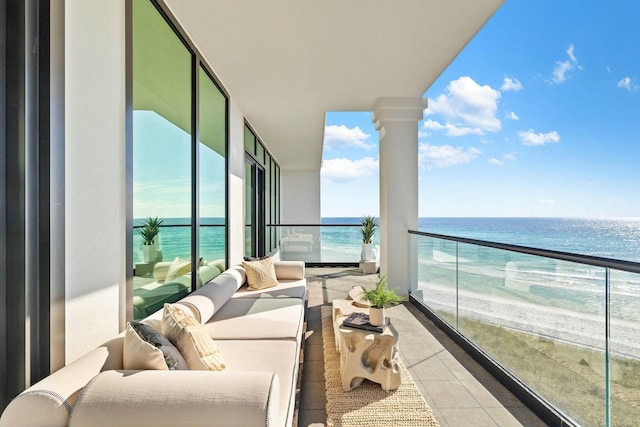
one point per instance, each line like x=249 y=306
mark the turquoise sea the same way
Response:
x=609 y=238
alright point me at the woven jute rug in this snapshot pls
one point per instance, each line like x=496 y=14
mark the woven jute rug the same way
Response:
x=368 y=405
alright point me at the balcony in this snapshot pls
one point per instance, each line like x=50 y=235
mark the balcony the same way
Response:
x=459 y=391
x=492 y=330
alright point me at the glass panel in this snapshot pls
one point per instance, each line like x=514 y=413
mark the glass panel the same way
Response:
x=624 y=341
x=249 y=140
x=267 y=200
x=260 y=152
x=437 y=276
x=277 y=194
x=249 y=209
x=161 y=161
x=212 y=153
x=543 y=320
x=273 y=204
x=322 y=243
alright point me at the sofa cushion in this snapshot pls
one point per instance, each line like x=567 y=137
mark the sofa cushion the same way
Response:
x=207 y=273
x=285 y=289
x=198 y=349
x=279 y=356
x=258 y=318
x=289 y=270
x=207 y=300
x=179 y=267
x=260 y=274
x=146 y=348
x=179 y=398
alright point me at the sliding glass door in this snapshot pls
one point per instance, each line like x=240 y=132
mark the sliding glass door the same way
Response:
x=254 y=208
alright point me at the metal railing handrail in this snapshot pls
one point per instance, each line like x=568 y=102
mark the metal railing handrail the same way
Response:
x=615 y=264
x=183 y=225
x=314 y=225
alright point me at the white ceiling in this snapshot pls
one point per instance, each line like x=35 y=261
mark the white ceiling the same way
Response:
x=286 y=63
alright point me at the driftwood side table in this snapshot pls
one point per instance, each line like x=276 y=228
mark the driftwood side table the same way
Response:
x=365 y=354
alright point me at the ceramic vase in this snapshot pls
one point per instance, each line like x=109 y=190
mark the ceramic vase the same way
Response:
x=376 y=316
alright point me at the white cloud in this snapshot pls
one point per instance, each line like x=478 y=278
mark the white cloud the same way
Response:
x=342 y=136
x=529 y=137
x=342 y=170
x=509 y=156
x=511 y=84
x=572 y=57
x=494 y=161
x=432 y=125
x=559 y=73
x=444 y=155
x=628 y=84
x=512 y=116
x=563 y=67
x=467 y=108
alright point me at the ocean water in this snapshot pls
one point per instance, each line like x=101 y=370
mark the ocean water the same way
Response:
x=615 y=238
x=608 y=238
x=174 y=239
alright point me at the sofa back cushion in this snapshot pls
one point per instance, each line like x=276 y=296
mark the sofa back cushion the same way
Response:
x=207 y=300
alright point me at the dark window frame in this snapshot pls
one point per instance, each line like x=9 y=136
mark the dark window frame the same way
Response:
x=197 y=62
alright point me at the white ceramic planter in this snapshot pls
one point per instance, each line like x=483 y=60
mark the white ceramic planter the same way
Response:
x=376 y=316
x=367 y=253
x=149 y=253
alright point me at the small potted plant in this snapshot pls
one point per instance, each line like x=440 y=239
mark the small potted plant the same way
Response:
x=379 y=297
x=149 y=233
x=368 y=230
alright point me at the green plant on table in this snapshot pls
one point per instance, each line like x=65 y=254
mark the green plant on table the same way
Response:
x=380 y=296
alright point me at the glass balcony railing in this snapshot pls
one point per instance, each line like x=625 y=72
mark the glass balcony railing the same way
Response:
x=321 y=244
x=567 y=326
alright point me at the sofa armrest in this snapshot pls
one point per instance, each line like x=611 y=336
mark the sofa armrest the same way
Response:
x=49 y=401
x=289 y=270
x=171 y=398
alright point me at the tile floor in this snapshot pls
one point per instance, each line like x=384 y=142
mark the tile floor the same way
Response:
x=459 y=391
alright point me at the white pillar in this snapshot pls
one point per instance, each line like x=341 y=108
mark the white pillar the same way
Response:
x=397 y=121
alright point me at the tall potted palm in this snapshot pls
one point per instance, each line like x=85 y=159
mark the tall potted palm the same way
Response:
x=149 y=233
x=368 y=229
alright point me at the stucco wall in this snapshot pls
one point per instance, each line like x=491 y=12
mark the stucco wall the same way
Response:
x=94 y=172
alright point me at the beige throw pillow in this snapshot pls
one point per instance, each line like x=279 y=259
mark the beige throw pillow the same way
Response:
x=260 y=274
x=196 y=346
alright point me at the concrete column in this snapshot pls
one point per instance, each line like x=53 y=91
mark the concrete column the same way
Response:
x=397 y=121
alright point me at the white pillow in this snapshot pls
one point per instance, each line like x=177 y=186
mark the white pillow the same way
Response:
x=195 y=345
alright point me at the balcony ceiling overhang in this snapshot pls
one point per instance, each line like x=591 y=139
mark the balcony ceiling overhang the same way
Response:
x=288 y=62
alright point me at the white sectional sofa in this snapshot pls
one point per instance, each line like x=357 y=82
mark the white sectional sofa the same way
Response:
x=260 y=334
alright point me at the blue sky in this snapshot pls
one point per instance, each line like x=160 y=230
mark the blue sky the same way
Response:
x=538 y=116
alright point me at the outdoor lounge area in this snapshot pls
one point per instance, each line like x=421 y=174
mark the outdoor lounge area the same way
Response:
x=458 y=391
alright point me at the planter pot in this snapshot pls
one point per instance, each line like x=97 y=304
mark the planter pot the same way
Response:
x=367 y=254
x=149 y=253
x=376 y=316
